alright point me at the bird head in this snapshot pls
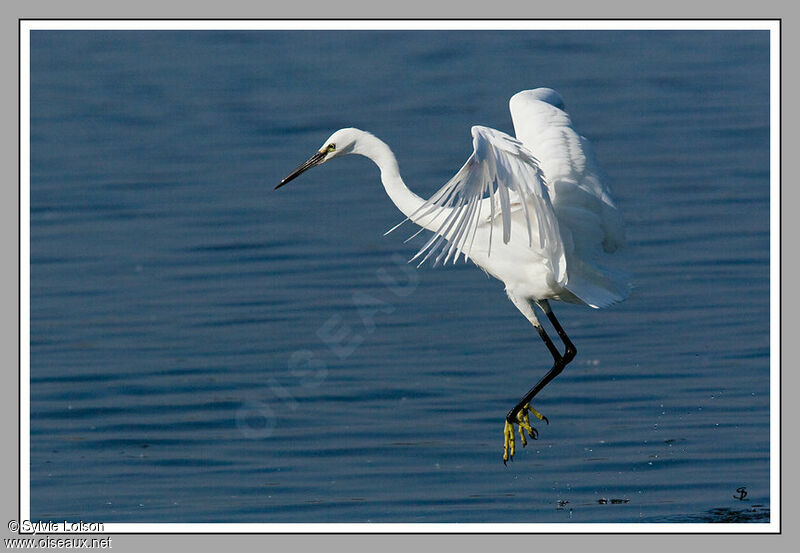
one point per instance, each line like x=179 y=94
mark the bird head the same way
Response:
x=340 y=143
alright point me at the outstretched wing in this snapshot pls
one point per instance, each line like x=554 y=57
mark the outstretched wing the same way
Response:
x=579 y=191
x=589 y=221
x=501 y=179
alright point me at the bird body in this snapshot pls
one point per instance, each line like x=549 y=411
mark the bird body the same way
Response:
x=590 y=224
x=515 y=263
x=534 y=212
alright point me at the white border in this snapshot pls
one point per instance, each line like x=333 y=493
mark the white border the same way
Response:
x=775 y=98
x=24 y=275
x=403 y=24
x=772 y=26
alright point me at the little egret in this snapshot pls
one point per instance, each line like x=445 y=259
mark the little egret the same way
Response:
x=542 y=192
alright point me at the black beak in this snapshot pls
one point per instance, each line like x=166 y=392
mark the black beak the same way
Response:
x=313 y=161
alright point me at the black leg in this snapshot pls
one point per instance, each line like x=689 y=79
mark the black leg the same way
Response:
x=570 y=351
x=559 y=361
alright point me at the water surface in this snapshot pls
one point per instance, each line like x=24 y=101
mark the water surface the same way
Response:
x=204 y=349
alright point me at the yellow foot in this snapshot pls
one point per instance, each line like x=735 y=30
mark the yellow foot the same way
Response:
x=524 y=423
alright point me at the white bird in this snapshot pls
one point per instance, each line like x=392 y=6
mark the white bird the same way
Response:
x=532 y=211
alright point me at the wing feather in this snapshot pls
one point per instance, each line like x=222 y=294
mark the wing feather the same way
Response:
x=588 y=219
x=506 y=176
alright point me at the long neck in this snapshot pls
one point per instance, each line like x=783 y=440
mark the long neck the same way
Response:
x=405 y=200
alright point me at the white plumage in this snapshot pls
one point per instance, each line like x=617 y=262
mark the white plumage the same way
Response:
x=547 y=182
x=588 y=218
x=533 y=211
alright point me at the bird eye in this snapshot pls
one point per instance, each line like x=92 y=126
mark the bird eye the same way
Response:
x=331 y=146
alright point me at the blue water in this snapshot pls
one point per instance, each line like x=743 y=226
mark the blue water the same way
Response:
x=204 y=349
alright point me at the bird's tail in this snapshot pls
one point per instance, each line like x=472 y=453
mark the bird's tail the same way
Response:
x=597 y=286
